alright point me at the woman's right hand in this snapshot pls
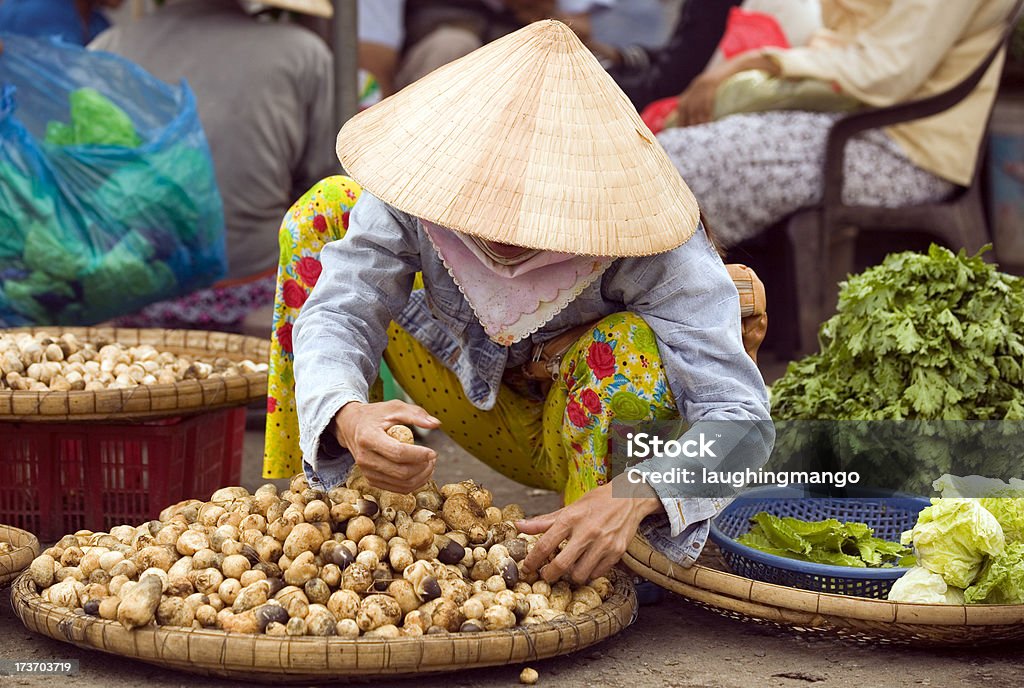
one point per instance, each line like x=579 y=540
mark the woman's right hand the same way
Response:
x=385 y=462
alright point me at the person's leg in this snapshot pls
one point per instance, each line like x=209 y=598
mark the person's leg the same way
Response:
x=441 y=46
x=750 y=171
x=612 y=372
x=317 y=218
x=879 y=173
x=507 y=438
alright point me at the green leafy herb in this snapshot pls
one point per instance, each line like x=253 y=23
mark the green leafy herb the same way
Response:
x=924 y=340
x=936 y=336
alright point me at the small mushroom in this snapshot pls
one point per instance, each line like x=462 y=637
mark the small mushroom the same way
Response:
x=449 y=551
x=302 y=569
x=376 y=611
x=304 y=537
x=461 y=512
x=347 y=628
x=344 y=604
x=423 y=580
x=138 y=606
x=498 y=617
x=40 y=571
x=174 y=611
x=320 y=621
x=403 y=592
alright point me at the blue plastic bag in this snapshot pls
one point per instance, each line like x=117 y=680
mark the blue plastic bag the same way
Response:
x=91 y=232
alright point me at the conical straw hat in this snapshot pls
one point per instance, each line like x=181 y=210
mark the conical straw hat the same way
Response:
x=525 y=141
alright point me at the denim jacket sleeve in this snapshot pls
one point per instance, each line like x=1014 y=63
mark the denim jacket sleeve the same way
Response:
x=342 y=330
x=687 y=297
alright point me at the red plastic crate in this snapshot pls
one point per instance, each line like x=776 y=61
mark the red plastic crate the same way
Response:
x=56 y=478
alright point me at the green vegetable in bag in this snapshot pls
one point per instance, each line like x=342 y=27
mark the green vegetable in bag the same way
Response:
x=127 y=269
x=54 y=254
x=95 y=120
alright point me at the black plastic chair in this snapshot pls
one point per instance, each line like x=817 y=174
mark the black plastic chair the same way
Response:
x=822 y=238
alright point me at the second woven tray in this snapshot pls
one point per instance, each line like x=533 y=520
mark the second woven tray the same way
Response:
x=147 y=401
x=853 y=618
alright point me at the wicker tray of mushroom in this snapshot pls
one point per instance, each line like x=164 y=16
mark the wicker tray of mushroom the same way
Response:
x=68 y=374
x=434 y=578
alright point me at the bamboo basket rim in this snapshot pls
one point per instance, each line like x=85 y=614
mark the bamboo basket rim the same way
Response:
x=809 y=610
x=303 y=659
x=145 y=401
x=17 y=560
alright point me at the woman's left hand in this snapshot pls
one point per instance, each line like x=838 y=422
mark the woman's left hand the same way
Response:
x=598 y=528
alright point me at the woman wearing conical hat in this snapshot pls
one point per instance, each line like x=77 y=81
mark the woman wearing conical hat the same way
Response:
x=533 y=270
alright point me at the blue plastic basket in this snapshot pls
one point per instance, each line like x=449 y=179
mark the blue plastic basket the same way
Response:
x=889 y=515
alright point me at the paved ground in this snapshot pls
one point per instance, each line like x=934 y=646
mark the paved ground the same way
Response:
x=671 y=644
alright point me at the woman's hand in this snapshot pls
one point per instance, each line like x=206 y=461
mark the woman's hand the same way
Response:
x=386 y=462
x=697 y=103
x=598 y=528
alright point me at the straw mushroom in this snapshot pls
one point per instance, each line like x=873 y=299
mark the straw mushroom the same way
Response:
x=344 y=604
x=41 y=570
x=376 y=611
x=528 y=676
x=138 y=606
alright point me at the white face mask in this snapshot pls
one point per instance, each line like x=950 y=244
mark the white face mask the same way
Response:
x=513 y=300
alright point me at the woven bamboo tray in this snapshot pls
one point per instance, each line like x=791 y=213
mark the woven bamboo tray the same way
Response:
x=146 y=401
x=853 y=618
x=304 y=660
x=26 y=549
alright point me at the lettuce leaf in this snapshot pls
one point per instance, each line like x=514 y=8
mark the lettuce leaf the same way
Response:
x=1004 y=500
x=1001 y=581
x=952 y=537
x=921 y=586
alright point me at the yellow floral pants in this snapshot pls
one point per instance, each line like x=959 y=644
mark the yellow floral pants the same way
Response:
x=559 y=443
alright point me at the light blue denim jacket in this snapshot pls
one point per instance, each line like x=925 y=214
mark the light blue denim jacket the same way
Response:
x=685 y=295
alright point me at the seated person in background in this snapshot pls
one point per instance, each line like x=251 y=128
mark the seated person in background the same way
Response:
x=755 y=169
x=264 y=92
x=439 y=31
x=73 y=21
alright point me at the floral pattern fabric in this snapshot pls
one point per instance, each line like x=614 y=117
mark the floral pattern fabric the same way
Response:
x=217 y=308
x=756 y=169
x=317 y=218
x=613 y=372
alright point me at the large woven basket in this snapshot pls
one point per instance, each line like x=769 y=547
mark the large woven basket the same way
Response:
x=307 y=659
x=147 y=401
x=26 y=548
x=860 y=619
